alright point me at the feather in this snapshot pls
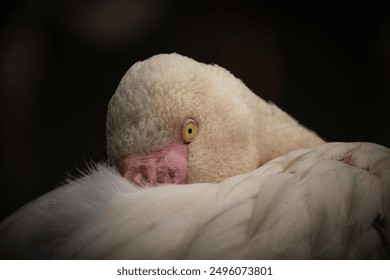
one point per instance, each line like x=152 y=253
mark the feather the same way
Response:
x=326 y=202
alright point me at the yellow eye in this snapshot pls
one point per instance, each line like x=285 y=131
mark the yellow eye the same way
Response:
x=189 y=131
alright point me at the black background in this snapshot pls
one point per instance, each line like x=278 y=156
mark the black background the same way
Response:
x=60 y=61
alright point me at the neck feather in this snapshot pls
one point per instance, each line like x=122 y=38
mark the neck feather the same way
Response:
x=280 y=133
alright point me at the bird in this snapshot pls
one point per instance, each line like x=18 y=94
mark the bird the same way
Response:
x=199 y=167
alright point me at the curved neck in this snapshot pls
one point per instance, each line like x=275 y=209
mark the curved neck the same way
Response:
x=280 y=133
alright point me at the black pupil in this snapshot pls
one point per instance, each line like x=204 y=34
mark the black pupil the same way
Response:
x=189 y=130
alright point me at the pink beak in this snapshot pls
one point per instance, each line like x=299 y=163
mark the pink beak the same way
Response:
x=168 y=165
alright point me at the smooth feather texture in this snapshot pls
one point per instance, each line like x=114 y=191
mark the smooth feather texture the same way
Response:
x=329 y=201
x=316 y=203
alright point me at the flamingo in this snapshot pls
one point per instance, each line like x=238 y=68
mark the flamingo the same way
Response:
x=199 y=167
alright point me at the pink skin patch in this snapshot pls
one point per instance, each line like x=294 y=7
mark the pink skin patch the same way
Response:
x=168 y=165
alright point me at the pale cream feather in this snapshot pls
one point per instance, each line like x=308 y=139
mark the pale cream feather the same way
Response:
x=327 y=201
x=315 y=203
x=238 y=131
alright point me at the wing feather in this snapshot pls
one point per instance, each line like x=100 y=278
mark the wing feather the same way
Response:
x=327 y=202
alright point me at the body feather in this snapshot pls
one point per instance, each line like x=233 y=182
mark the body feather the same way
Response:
x=326 y=202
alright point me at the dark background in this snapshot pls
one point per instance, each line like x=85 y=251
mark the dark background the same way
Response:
x=60 y=62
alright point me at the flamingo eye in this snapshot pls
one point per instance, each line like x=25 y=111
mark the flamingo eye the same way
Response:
x=189 y=130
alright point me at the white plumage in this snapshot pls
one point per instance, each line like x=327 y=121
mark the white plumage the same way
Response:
x=331 y=202
x=313 y=200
